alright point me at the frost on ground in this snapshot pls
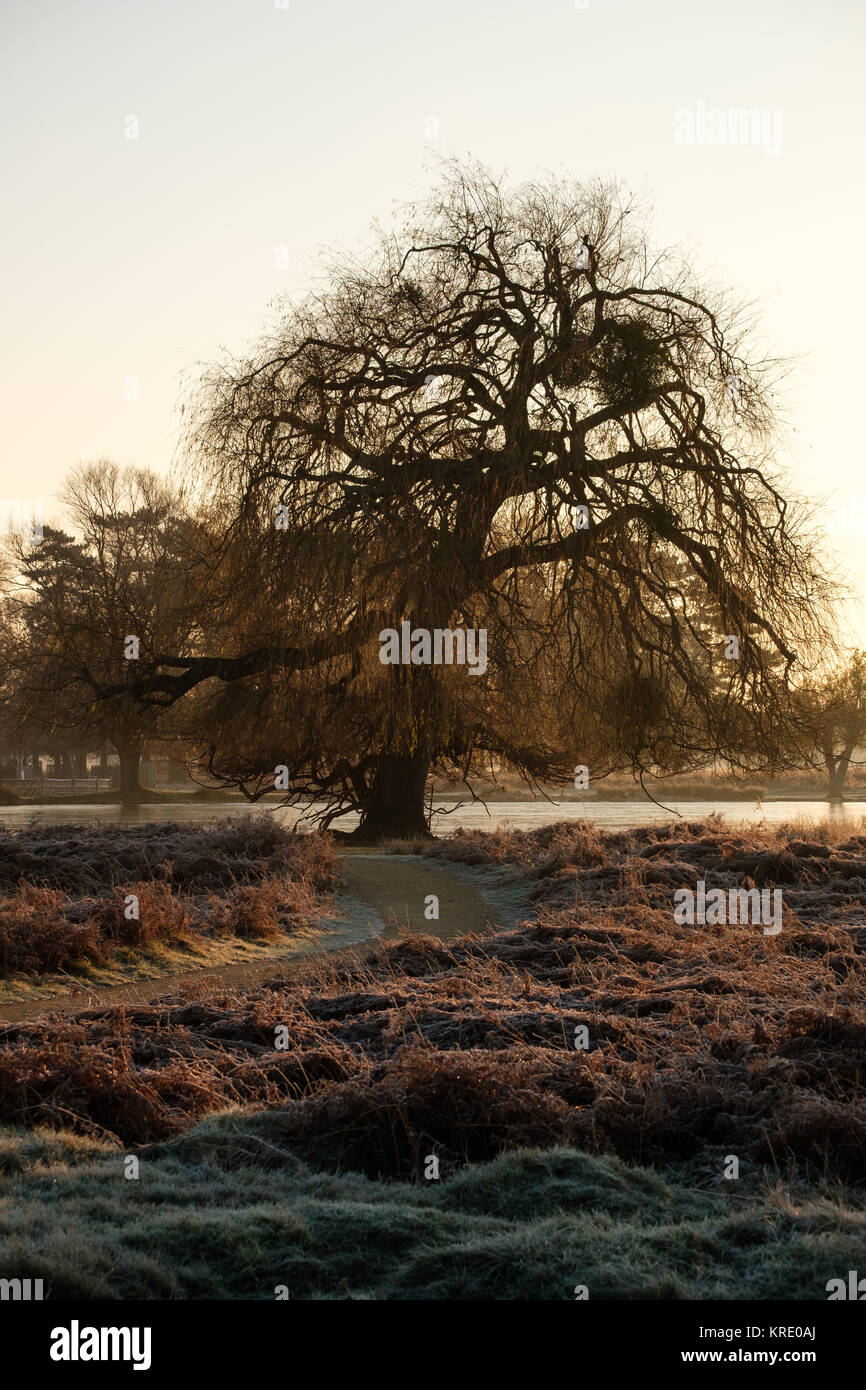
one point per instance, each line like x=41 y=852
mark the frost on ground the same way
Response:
x=76 y=896
x=597 y=1028
x=598 y=1022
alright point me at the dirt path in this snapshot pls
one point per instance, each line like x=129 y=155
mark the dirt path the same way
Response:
x=387 y=889
x=399 y=888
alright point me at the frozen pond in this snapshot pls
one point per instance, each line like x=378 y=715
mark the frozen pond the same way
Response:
x=521 y=815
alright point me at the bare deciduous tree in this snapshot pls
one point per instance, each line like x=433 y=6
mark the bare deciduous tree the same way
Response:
x=125 y=573
x=834 y=721
x=510 y=415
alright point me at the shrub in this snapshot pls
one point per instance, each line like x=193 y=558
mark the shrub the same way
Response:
x=36 y=935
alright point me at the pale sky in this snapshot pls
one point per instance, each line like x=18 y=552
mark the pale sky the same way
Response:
x=262 y=127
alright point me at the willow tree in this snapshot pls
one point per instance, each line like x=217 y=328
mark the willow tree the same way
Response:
x=508 y=415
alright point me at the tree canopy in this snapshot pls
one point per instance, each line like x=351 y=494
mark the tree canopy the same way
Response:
x=508 y=414
x=128 y=571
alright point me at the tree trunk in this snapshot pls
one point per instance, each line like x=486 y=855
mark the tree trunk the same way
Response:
x=130 y=765
x=395 y=808
x=838 y=770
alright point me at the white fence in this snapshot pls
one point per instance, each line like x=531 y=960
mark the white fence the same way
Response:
x=59 y=786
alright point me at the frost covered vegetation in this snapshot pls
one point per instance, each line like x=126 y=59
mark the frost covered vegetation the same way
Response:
x=305 y=1166
x=64 y=891
x=228 y=1214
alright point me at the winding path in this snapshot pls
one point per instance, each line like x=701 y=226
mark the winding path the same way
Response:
x=397 y=889
x=389 y=891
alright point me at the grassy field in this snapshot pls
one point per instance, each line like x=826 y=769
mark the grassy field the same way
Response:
x=226 y=1212
x=284 y=1134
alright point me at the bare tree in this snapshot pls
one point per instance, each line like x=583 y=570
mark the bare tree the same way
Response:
x=80 y=598
x=835 y=720
x=509 y=415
